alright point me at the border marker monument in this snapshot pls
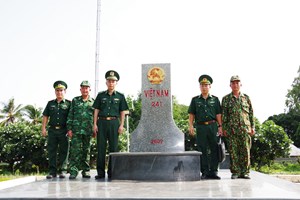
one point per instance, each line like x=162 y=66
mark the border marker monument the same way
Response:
x=156 y=145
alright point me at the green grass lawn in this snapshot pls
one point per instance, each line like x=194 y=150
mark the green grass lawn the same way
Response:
x=9 y=177
x=4 y=178
x=282 y=168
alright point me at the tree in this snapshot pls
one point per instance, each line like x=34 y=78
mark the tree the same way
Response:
x=293 y=105
x=33 y=113
x=290 y=120
x=293 y=97
x=290 y=123
x=10 y=112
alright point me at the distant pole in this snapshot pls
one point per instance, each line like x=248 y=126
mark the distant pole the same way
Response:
x=127 y=113
x=97 y=47
x=127 y=131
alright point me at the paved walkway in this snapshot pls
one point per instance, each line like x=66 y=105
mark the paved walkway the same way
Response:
x=260 y=186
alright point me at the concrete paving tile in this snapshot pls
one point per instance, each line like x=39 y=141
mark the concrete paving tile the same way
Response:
x=260 y=186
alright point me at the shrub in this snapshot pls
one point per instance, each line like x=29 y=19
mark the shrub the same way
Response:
x=269 y=142
x=23 y=148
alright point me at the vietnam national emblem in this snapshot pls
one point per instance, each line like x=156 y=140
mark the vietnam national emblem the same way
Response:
x=156 y=75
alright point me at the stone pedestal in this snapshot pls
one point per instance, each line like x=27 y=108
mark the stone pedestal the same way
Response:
x=154 y=166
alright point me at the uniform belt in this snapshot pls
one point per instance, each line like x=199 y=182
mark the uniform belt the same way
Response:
x=57 y=127
x=108 y=118
x=207 y=123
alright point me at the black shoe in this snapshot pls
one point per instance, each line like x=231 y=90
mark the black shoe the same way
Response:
x=234 y=176
x=204 y=177
x=244 y=176
x=99 y=177
x=214 y=176
x=50 y=176
x=62 y=175
x=86 y=175
x=72 y=176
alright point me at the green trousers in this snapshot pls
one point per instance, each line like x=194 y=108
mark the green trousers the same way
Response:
x=207 y=142
x=58 y=150
x=107 y=132
x=80 y=153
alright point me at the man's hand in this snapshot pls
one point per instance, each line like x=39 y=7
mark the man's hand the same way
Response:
x=224 y=134
x=252 y=132
x=121 y=129
x=44 y=132
x=70 y=133
x=94 y=135
x=220 y=131
x=95 y=131
x=191 y=131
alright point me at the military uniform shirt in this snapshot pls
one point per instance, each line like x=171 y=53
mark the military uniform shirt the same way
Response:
x=110 y=105
x=80 y=118
x=237 y=112
x=58 y=112
x=205 y=109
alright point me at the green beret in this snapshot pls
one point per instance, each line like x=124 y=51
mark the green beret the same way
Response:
x=60 y=85
x=205 y=79
x=85 y=83
x=235 y=78
x=112 y=75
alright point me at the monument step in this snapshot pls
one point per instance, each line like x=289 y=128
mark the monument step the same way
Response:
x=156 y=166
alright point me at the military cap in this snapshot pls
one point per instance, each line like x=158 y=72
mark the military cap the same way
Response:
x=60 y=85
x=85 y=83
x=235 y=78
x=205 y=79
x=112 y=75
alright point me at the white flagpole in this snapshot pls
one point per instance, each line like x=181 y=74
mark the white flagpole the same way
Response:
x=97 y=47
x=127 y=130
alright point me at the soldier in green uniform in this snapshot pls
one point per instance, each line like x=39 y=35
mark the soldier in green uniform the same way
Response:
x=56 y=112
x=238 y=126
x=205 y=112
x=110 y=107
x=80 y=130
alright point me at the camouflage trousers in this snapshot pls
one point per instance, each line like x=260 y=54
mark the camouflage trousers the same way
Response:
x=80 y=153
x=239 y=144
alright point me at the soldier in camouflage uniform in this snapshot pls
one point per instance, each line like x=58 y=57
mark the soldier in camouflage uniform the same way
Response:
x=56 y=112
x=110 y=108
x=80 y=129
x=205 y=112
x=238 y=126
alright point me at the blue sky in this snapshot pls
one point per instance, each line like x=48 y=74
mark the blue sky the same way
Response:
x=42 y=41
